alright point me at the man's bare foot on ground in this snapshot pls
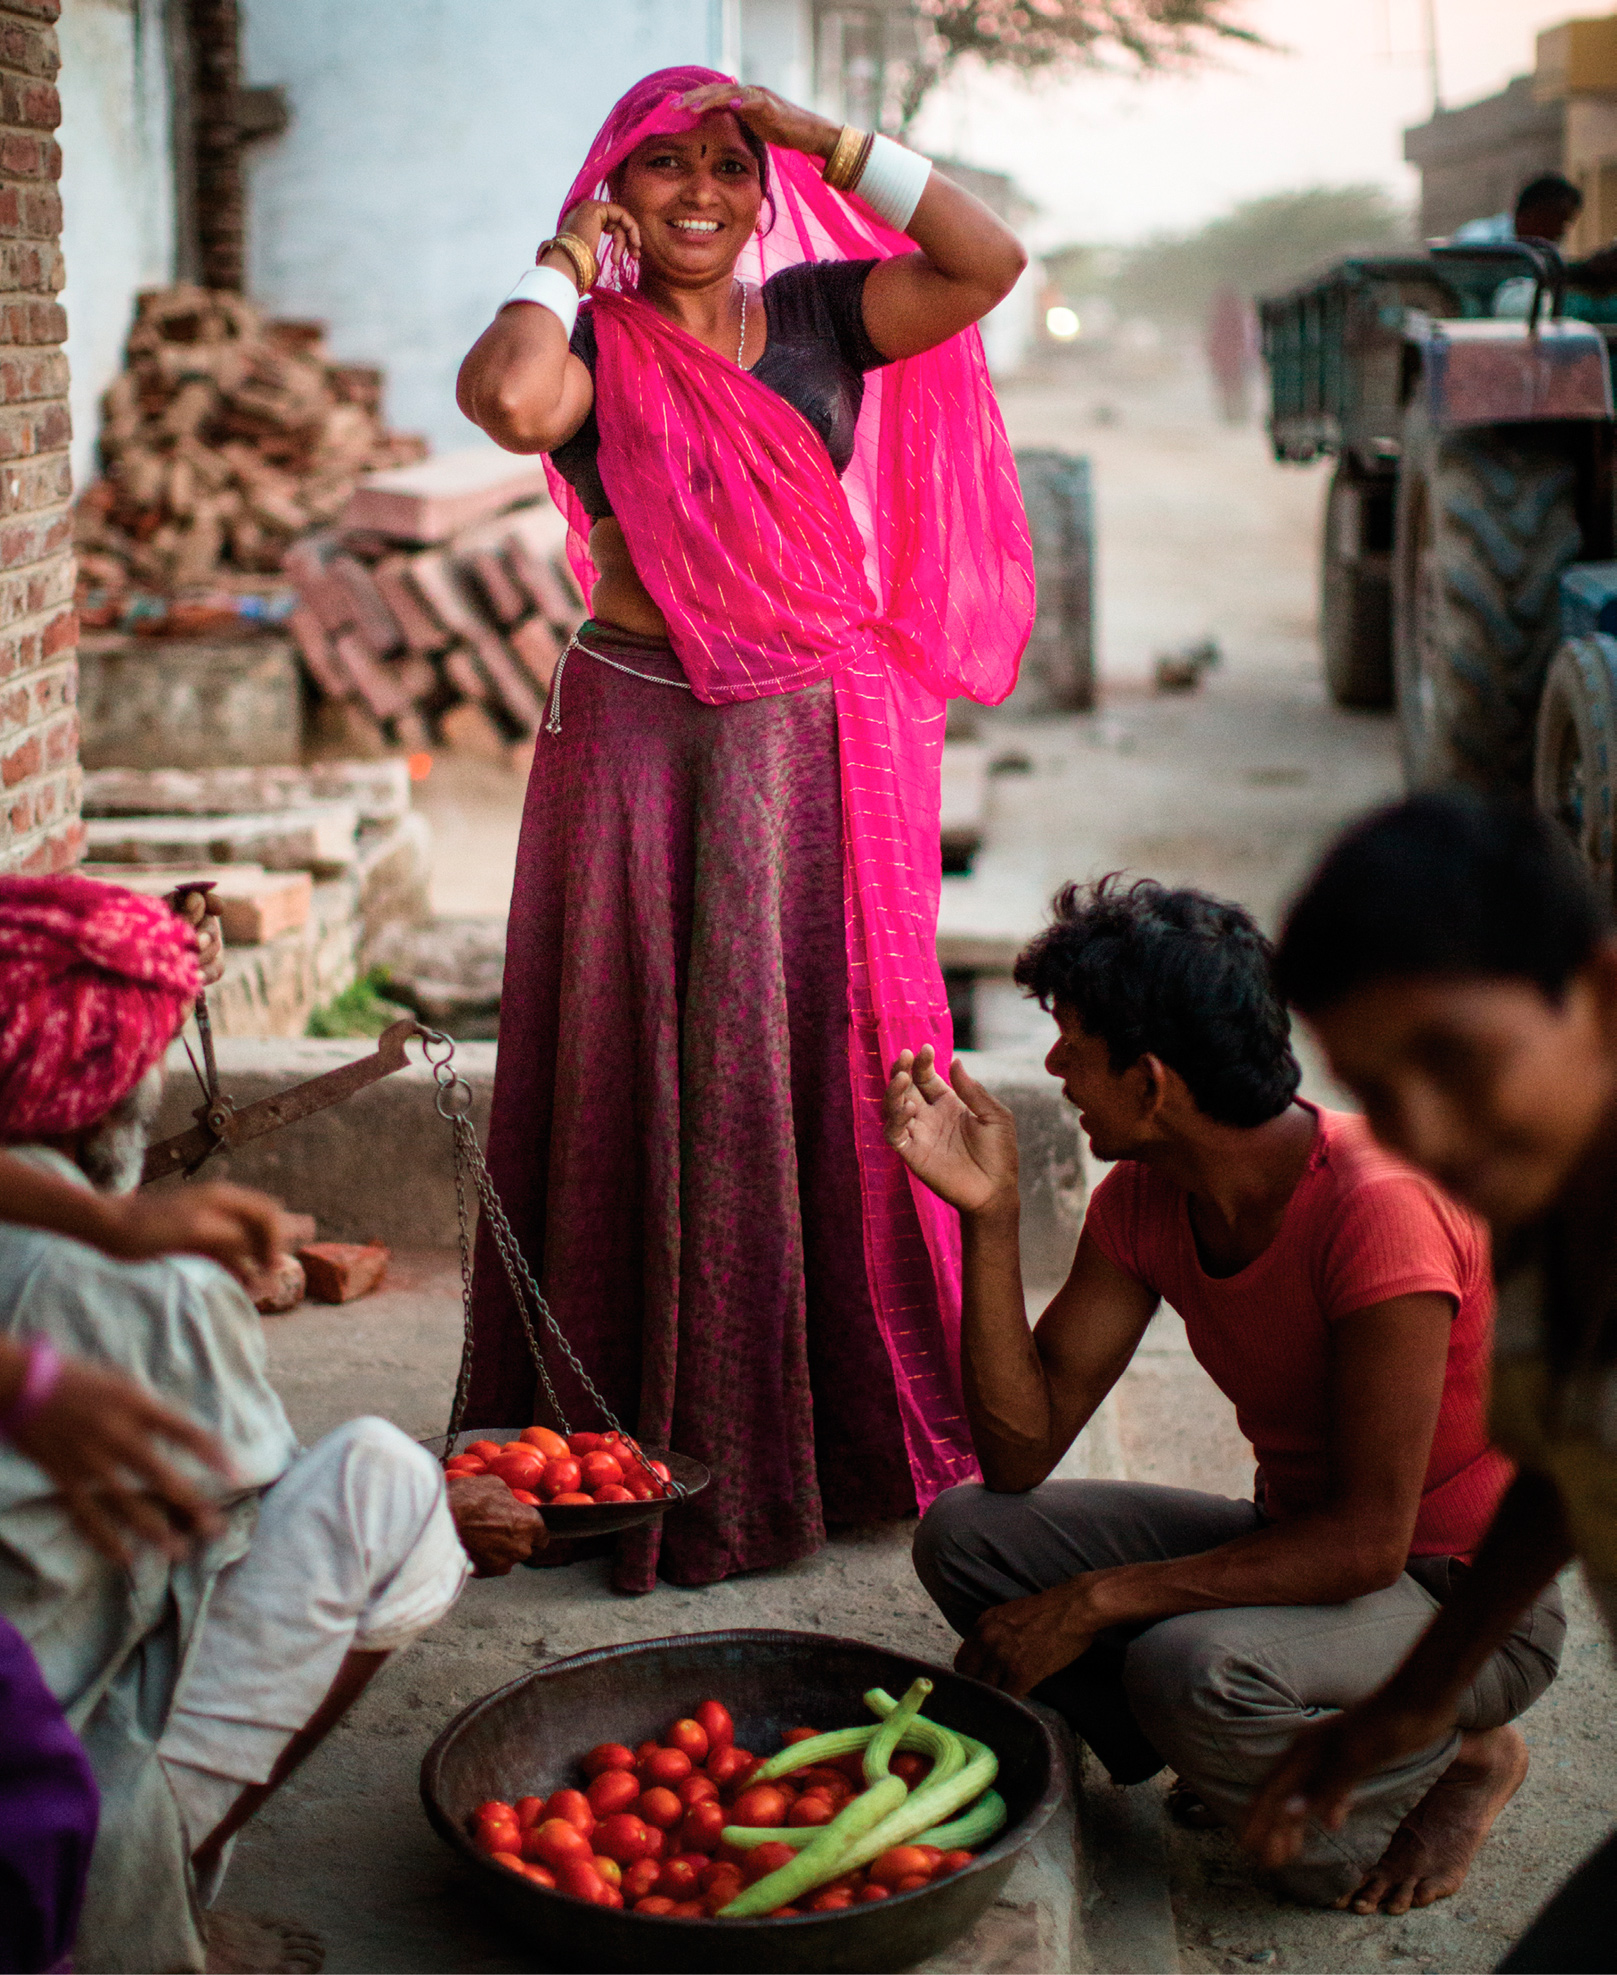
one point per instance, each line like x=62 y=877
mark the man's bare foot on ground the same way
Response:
x=256 y=1944
x=1432 y=1850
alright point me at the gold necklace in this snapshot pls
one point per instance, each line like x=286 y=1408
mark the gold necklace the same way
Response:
x=741 y=340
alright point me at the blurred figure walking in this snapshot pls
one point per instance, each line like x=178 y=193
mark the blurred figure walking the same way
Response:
x=1231 y=345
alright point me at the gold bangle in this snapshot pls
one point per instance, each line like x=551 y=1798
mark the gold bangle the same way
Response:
x=579 y=253
x=861 y=161
x=839 y=167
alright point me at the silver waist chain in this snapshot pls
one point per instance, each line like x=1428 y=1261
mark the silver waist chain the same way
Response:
x=575 y=643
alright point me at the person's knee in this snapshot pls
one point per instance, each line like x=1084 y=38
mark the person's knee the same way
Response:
x=373 y=1453
x=949 y=1538
x=1185 y=1672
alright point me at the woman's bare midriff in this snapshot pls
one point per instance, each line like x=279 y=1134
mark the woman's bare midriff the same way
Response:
x=619 y=596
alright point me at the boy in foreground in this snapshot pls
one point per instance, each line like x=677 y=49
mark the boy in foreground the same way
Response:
x=1342 y=1304
x=1458 y=967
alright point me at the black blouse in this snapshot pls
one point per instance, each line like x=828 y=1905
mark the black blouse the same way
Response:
x=815 y=356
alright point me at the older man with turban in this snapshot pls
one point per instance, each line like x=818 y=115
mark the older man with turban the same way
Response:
x=196 y=1682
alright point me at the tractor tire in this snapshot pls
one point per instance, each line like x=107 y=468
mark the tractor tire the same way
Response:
x=1575 y=756
x=1355 y=593
x=1486 y=522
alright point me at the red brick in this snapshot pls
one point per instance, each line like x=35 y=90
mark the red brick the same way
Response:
x=31 y=49
x=35 y=10
x=26 y=320
x=26 y=759
x=62 y=740
x=26 y=486
x=28 y=102
x=38 y=588
x=31 y=267
x=60 y=634
x=29 y=430
x=338 y=1271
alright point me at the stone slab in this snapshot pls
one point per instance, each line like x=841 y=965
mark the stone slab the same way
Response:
x=320 y=837
x=189 y=702
x=254 y=905
x=436 y=498
x=379 y=790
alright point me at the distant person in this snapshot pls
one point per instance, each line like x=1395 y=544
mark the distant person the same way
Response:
x=1231 y=347
x=1336 y=1297
x=723 y=924
x=1544 y=210
x=1456 y=963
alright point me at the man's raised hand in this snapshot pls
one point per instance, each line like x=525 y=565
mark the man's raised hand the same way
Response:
x=958 y=1140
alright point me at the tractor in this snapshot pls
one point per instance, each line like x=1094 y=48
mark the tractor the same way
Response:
x=1466 y=569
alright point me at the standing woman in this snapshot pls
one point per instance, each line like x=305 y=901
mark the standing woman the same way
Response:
x=795 y=514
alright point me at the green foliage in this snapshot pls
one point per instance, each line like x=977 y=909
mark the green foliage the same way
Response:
x=1260 y=247
x=360 y=1010
x=1055 y=37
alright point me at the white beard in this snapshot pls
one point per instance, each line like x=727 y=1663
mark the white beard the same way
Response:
x=113 y=1152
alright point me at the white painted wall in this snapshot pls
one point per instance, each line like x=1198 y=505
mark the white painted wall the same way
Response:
x=777 y=47
x=117 y=189
x=431 y=143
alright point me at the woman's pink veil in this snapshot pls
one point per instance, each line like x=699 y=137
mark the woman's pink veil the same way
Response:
x=910 y=583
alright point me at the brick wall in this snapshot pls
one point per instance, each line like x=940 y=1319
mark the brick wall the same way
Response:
x=39 y=772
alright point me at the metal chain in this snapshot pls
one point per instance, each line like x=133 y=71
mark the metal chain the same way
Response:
x=453 y=1104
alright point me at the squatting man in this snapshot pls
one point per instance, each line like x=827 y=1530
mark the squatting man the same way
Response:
x=1337 y=1297
x=197 y=1678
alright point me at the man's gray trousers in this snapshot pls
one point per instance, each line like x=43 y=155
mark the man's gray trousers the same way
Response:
x=1219 y=1695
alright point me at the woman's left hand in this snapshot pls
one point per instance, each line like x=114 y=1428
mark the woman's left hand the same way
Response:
x=767 y=116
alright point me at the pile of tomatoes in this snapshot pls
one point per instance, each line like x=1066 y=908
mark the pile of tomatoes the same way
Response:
x=541 y=1468
x=645 y=1831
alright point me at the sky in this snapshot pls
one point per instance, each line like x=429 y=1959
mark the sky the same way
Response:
x=1114 y=158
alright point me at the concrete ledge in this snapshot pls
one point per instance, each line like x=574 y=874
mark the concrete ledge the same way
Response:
x=379 y=1168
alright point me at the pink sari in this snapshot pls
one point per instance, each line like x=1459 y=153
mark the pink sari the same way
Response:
x=908 y=581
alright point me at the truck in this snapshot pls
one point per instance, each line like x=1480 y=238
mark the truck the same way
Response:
x=1467 y=577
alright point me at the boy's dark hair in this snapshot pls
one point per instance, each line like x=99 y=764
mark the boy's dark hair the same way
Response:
x=1549 y=189
x=1447 y=882
x=1176 y=975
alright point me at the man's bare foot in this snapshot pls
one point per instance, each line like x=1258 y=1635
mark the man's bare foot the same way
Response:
x=1432 y=1850
x=257 y=1944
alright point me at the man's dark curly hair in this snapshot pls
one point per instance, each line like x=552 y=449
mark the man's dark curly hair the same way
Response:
x=1174 y=974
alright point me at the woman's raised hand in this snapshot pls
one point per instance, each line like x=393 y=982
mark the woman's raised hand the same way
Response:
x=590 y=218
x=767 y=116
x=956 y=1138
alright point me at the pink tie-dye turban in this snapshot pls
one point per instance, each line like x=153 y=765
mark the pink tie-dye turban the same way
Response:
x=94 y=982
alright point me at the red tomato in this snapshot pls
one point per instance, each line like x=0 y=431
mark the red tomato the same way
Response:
x=608 y=1755
x=760 y=1807
x=852 y=1767
x=609 y=1870
x=872 y=1893
x=933 y=1857
x=612 y=1790
x=518 y=1467
x=830 y=1781
x=661 y=1470
x=951 y=1862
x=655 y=1903
x=614 y=1492
x=600 y=1470
x=512 y=1861
x=679 y=1879
x=901 y=1862
x=690 y=1736
x=795 y=1735
x=494 y=1807
x=687 y=1910
x=640 y=1880
x=494 y=1837
x=698 y=1790
x=611 y=1897
x=572 y=1500
x=832 y=1900
x=784 y=1913
x=912 y=1882
x=644 y=1749
x=555 y=1842
x=558 y=1477
x=764 y=1859
x=637 y=1487
x=549 y=1444
x=582 y=1881
x=528 y=1501
x=465 y=1464
x=670 y=1766
x=575 y=1807
x=483 y=1450
x=728 y=1763
x=529 y=1811
x=662 y=1842
x=701 y=1828
x=810 y=1808
x=585 y=1443
x=715 y=1719
x=911 y=1768
x=540 y=1876
x=624 y=1837
x=719 y=1875
x=660 y=1806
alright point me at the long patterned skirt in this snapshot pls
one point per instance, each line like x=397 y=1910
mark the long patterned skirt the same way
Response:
x=672 y=1132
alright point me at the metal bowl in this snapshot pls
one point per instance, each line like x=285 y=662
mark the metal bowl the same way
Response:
x=526 y=1740
x=601 y=1518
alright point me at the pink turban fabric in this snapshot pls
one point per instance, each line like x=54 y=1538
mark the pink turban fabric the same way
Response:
x=94 y=982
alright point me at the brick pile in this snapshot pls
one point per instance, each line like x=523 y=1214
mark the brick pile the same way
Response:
x=39 y=826
x=438 y=608
x=225 y=437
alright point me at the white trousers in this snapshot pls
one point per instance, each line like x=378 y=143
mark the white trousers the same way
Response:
x=355 y=1551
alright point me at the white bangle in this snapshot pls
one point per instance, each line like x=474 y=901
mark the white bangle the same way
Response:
x=892 y=181
x=552 y=290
